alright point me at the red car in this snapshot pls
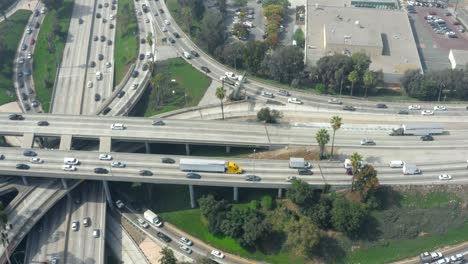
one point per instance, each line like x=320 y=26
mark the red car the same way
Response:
x=33 y=41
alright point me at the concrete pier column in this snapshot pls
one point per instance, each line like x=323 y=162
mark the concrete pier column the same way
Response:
x=28 y=140
x=107 y=192
x=280 y=193
x=25 y=180
x=192 y=196
x=236 y=194
x=187 y=149
x=228 y=149
x=66 y=142
x=147 y=148
x=105 y=144
x=65 y=186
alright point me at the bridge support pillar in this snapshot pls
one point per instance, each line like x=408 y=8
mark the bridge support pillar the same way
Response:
x=280 y=193
x=147 y=148
x=236 y=194
x=228 y=149
x=65 y=186
x=25 y=180
x=187 y=149
x=192 y=196
x=107 y=192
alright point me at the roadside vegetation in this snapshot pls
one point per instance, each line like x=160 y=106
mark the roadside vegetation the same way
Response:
x=9 y=43
x=49 y=49
x=165 y=95
x=126 y=39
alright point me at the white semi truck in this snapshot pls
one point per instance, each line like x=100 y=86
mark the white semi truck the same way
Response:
x=209 y=166
x=410 y=169
x=418 y=129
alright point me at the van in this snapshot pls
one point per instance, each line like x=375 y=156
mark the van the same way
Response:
x=187 y=55
x=396 y=164
x=71 y=161
x=116 y=126
x=98 y=76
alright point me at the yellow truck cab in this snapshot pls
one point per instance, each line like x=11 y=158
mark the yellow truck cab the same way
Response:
x=233 y=168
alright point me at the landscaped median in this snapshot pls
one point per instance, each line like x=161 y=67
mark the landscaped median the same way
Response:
x=10 y=37
x=126 y=39
x=49 y=49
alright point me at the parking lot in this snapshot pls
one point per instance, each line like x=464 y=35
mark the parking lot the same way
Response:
x=433 y=43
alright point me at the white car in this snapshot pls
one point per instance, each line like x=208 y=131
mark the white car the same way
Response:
x=29 y=56
x=440 y=108
x=119 y=204
x=367 y=141
x=158 y=223
x=117 y=126
x=268 y=94
x=231 y=75
x=186 y=249
x=21 y=60
x=75 y=225
x=118 y=164
x=111 y=17
x=108 y=64
x=217 y=253
x=294 y=100
x=427 y=112
x=164 y=29
x=334 y=101
x=105 y=157
x=36 y=160
x=90 y=84
x=186 y=241
x=167 y=22
x=445 y=177
x=414 y=107
x=69 y=168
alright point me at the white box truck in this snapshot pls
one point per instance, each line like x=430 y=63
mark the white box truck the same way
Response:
x=410 y=169
x=152 y=218
x=209 y=166
x=299 y=163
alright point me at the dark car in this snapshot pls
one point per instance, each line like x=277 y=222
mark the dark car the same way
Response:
x=349 y=108
x=176 y=35
x=381 y=105
x=22 y=167
x=21 y=85
x=104 y=20
x=142 y=40
x=164 y=237
x=27 y=107
x=161 y=11
x=80 y=20
x=106 y=4
x=98 y=15
x=92 y=64
x=20 y=74
x=427 y=138
x=42 y=123
x=106 y=111
x=111 y=26
x=97 y=97
x=158 y=122
x=103 y=38
x=2 y=157
x=205 y=69
x=403 y=112
x=194 y=53
x=145 y=67
x=36 y=13
x=304 y=172
x=168 y=160
x=99 y=5
x=141 y=56
x=15 y=117
x=113 y=7
x=146 y=173
x=171 y=40
x=121 y=94
x=109 y=42
x=192 y=175
x=135 y=74
x=252 y=178
x=95 y=38
x=101 y=171
x=29 y=153
x=24 y=96
x=100 y=57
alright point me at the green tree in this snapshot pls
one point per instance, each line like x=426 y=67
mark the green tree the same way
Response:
x=149 y=39
x=320 y=213
x=186 y=18
x=235 y=219
x=356 y=160
x=361 y=62
x=370 y=81
x=197 y=7
x=322 y=138
x=221 y=94
x=167 y=256
x=255 y=228
x=268 y=115
x=366 y=181
x=348 y=216
x=204 y=260
x=267 y=203
x=300 y=193
x=336 y=124
x=303 y=236
x=299 y=37
x=321 y=88
x=254 y=54
x=285 y=63
x=232 y=54
x=353 y=77
x=240 y=2
x=284 y=3
x=212 y=30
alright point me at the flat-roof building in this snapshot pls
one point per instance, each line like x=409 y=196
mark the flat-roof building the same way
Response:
x=385 y=35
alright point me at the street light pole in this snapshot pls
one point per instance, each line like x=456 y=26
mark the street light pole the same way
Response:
x=255 y=151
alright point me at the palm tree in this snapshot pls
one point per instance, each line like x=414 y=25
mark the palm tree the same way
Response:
x=353 y=77
x=369 y=81
x=322 y=138
x=356 y=160
x=220 y=94
x=149 y=39
x=336 y=124
x=150 y=65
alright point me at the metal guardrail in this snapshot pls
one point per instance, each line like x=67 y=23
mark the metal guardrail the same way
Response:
x=136 y=96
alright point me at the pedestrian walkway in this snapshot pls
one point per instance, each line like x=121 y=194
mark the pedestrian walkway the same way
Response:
x=209 y=97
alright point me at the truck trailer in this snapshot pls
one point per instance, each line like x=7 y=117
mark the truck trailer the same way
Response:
x=410 y=169
x=152 y=218
x=418 y=129
x=299 y=163
x=209 y=166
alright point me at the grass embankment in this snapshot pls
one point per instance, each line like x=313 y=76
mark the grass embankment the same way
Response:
x=188 y=90
x=10 y=36
x=46 y=60
x=126 y=39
